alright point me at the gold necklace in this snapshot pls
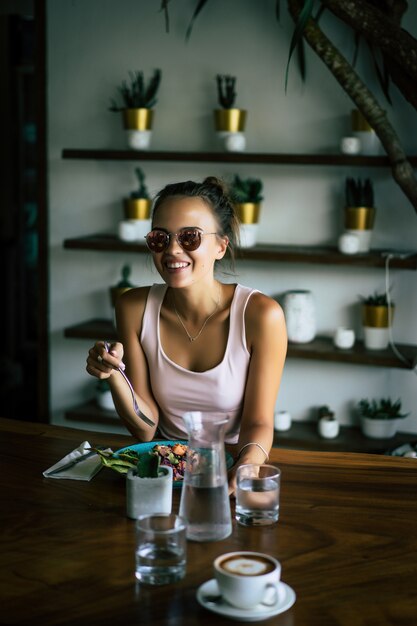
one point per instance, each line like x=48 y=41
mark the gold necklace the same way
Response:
x=204 y=324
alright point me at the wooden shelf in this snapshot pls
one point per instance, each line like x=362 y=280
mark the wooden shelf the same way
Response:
x=336 y=159
x=263 y=252
x=301 y=436
x=321 y=349
x=304 y=436
x=91 y=412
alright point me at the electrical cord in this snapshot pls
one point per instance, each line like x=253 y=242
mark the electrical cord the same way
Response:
x=390 y=335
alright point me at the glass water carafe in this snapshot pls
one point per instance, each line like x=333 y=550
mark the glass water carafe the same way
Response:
x=204 y=499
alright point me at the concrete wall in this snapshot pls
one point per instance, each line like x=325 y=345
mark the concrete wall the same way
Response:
x=92 y=44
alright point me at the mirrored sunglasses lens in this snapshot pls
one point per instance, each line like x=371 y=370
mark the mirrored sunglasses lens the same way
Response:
x=157 y=240
x=189 y=239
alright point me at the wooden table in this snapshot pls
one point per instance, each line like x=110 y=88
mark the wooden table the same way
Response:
x=346 y=538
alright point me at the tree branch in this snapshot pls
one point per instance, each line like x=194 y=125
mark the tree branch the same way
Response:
x=364 y=100
x=380 y=25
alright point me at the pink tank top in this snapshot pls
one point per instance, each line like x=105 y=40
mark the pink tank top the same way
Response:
x=218 y=392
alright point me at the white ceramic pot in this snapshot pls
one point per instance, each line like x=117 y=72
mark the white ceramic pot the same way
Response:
x=328 y=428
x=350 y=145
x=348 y=243
x=139 y=139
x=127 y=230
x=376 y=338
x=378 y=429
x=300 y=316
x=282 y=420
x=134 y=230
x=344 y=338
x=248 y=235
x=364 y=239
x=232 y=142
x=146 y=496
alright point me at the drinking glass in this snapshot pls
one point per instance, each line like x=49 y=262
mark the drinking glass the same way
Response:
x=257 y=494
x=160 y=549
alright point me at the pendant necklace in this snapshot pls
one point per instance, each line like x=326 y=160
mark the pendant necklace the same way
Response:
x=190 y=337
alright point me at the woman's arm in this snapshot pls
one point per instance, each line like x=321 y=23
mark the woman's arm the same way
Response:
x=266 y=338
x=130 y=308
x=102 y=364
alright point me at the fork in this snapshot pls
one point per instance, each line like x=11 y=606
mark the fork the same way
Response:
x=136 y=408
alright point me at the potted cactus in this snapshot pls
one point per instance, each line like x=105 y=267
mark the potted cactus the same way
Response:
x=138 y=99
x=328 y=425
x=148 y=487
x=229 y=121
x=247 y=196
x=379 y=419
x=123 y=285
x=377 y=317
x=138 y=205
x=360 y=210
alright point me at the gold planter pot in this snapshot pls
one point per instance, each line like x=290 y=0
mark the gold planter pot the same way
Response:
x=377 y=316
x=230 y=120
x=359 y=122
x=248 y=212
x=137 y=208
x=359 y=217
x=138 y=119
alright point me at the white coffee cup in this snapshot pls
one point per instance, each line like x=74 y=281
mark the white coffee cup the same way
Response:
x=246 y=579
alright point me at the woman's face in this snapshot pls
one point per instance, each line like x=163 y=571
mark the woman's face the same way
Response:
x=178 y=267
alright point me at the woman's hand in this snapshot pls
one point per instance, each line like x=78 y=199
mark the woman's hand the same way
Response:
x=231 y=476
x=101 y=363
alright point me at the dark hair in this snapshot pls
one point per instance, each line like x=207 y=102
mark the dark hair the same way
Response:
x=214 y=192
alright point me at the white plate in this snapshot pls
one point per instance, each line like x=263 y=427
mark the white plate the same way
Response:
x=259 y=612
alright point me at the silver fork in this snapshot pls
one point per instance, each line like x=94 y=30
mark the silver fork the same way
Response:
x=136 y=408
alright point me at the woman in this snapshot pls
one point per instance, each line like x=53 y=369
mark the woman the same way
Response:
x=195 y=343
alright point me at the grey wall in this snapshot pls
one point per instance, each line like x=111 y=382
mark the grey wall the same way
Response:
x=92 y=44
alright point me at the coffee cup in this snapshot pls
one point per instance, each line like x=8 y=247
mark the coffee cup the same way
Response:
x=246 y=579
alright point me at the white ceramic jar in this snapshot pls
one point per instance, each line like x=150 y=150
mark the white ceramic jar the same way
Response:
x=282 y=420
x=344 y=338
x=328 y=427
x=348 y=243
x=300 y=316
x=146 y=496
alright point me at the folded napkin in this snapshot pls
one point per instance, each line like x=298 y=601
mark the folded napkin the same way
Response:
x=84 y=470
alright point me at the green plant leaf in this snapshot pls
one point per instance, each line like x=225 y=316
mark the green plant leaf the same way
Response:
x=304 y=16
x=164 y=9
x=200 y=6
x=148 y=465
x=382 y=75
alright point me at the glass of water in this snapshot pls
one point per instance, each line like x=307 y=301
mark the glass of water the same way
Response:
x=161 y=549
x=257 y=494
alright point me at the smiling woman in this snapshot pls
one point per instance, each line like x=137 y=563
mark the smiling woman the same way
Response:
x=193 y=342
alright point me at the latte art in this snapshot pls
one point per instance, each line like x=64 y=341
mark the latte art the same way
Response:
x=247 y=566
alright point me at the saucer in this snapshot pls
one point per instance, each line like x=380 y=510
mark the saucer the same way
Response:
x=259 y=612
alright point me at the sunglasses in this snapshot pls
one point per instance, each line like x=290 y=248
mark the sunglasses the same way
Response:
x=188 y=238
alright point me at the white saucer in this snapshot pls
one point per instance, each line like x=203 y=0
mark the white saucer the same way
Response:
x=259 y=612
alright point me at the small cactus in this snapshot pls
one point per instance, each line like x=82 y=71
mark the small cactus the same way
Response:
x=226 y=90
x=359 y=193
x=137 y=94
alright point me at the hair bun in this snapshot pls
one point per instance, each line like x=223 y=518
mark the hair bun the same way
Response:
x=218 y=183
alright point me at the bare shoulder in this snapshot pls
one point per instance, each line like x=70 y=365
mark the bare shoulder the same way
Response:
x=133 y=297
x=262 y=309
x=130 y=306
x=264 y=320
